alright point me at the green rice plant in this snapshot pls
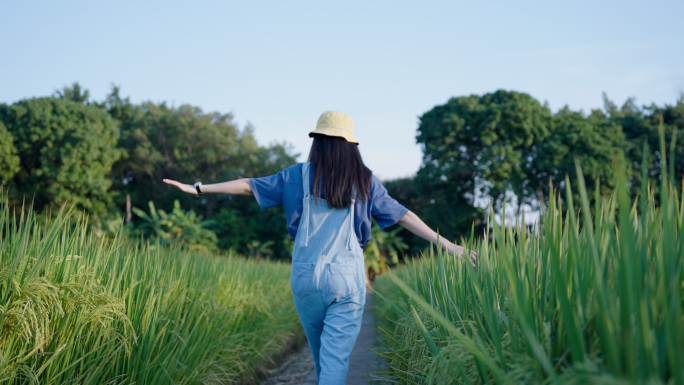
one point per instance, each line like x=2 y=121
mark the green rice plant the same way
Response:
x=77 y=309
x=589 y=295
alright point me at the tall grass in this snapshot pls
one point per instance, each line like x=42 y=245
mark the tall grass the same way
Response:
x=75 y=309
x=591 y=296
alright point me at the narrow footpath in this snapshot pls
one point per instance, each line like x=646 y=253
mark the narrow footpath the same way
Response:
x=298 y=369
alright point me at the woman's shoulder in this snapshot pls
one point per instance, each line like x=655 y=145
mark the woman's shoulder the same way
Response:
x=293 y=174
x=294 y=168
x=377 y=189
x=375 y=182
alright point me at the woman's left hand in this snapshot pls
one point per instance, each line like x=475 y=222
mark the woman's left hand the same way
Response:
x=459 y=251
x=186 y=188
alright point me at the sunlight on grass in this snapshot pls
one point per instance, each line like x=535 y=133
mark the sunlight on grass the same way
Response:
x=78 y=309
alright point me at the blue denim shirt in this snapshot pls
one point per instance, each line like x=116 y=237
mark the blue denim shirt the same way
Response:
x=285 y=188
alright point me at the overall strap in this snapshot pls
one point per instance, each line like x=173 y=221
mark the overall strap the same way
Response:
x=351 y=220
x=307 y=201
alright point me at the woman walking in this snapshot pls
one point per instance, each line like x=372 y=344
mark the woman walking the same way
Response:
x=329 y=202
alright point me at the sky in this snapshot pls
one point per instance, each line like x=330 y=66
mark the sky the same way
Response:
x=278 y=65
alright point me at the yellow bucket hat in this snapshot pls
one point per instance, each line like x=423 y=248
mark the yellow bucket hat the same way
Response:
x=336 y=123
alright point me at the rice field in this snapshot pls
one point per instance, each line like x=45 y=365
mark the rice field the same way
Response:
x=75 y=309
x=591 y=295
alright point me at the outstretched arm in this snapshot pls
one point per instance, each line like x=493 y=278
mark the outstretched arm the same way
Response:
x=233 y=187
x=414 y=224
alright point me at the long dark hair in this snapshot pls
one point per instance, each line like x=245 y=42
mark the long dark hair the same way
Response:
x=338 y=168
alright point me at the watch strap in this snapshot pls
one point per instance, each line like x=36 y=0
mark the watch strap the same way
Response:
x=197 y=187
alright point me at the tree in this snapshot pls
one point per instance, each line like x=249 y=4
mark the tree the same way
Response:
x=506 y=145
x=184 y=143
x=595 y=140
x=180 y=143
x=9 y=160
x=513 y=124
x=67 y=151
x=447 y=176
x=476 y=147
x=641 y=125
x=73 y=93
x=673 y=121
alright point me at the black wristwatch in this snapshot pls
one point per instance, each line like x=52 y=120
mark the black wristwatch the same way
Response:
x=199 y=192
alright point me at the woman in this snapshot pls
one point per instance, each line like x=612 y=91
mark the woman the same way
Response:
x=329 y=202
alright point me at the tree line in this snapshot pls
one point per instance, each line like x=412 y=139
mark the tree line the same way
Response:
x=507 y=148
x=108 y=159
x=103 y=156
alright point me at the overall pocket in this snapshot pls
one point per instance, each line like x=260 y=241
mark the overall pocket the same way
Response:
x=344 y=279
x=300 y=279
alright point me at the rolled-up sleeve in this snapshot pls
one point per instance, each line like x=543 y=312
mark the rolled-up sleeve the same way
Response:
x=385 y=210
x=268 y=190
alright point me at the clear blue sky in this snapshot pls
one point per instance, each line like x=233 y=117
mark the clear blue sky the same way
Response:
x=278 y=65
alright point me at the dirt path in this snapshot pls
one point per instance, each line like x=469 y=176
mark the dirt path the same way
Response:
x=298 y=369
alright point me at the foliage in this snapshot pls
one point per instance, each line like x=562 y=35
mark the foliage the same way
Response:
x=489 y=138
x=74 y=93
x=114 y=226
x=260 y=250
x=186 y=144
x=241 y=222
x=639 y=124
x=9 y=159
x=67 y=150
x=184 y=227
x=76 y=309
x=178 y=143
x=594 y=298
x=405 y=191
x=383 y=249
x=93 y=154
x=508 y=148
x=594 y=140
x=503 y=147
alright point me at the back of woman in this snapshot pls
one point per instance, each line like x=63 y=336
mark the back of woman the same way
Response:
x=330 y=202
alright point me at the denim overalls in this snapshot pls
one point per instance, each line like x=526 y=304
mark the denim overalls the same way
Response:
x=328 y=283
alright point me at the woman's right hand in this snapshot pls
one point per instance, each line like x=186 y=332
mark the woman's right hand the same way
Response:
x=186 y=188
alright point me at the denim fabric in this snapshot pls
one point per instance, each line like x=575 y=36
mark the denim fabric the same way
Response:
x=285 y=188
x=328 y=284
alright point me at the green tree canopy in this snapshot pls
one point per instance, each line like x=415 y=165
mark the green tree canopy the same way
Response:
x=479 y=146
x=74 y=93
x=506 y=145
x=9 y=160
x=640 y=125
x=186 y=144
x=511 y=126
x=180 y=143
x=595 y=140
x=66 y=153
